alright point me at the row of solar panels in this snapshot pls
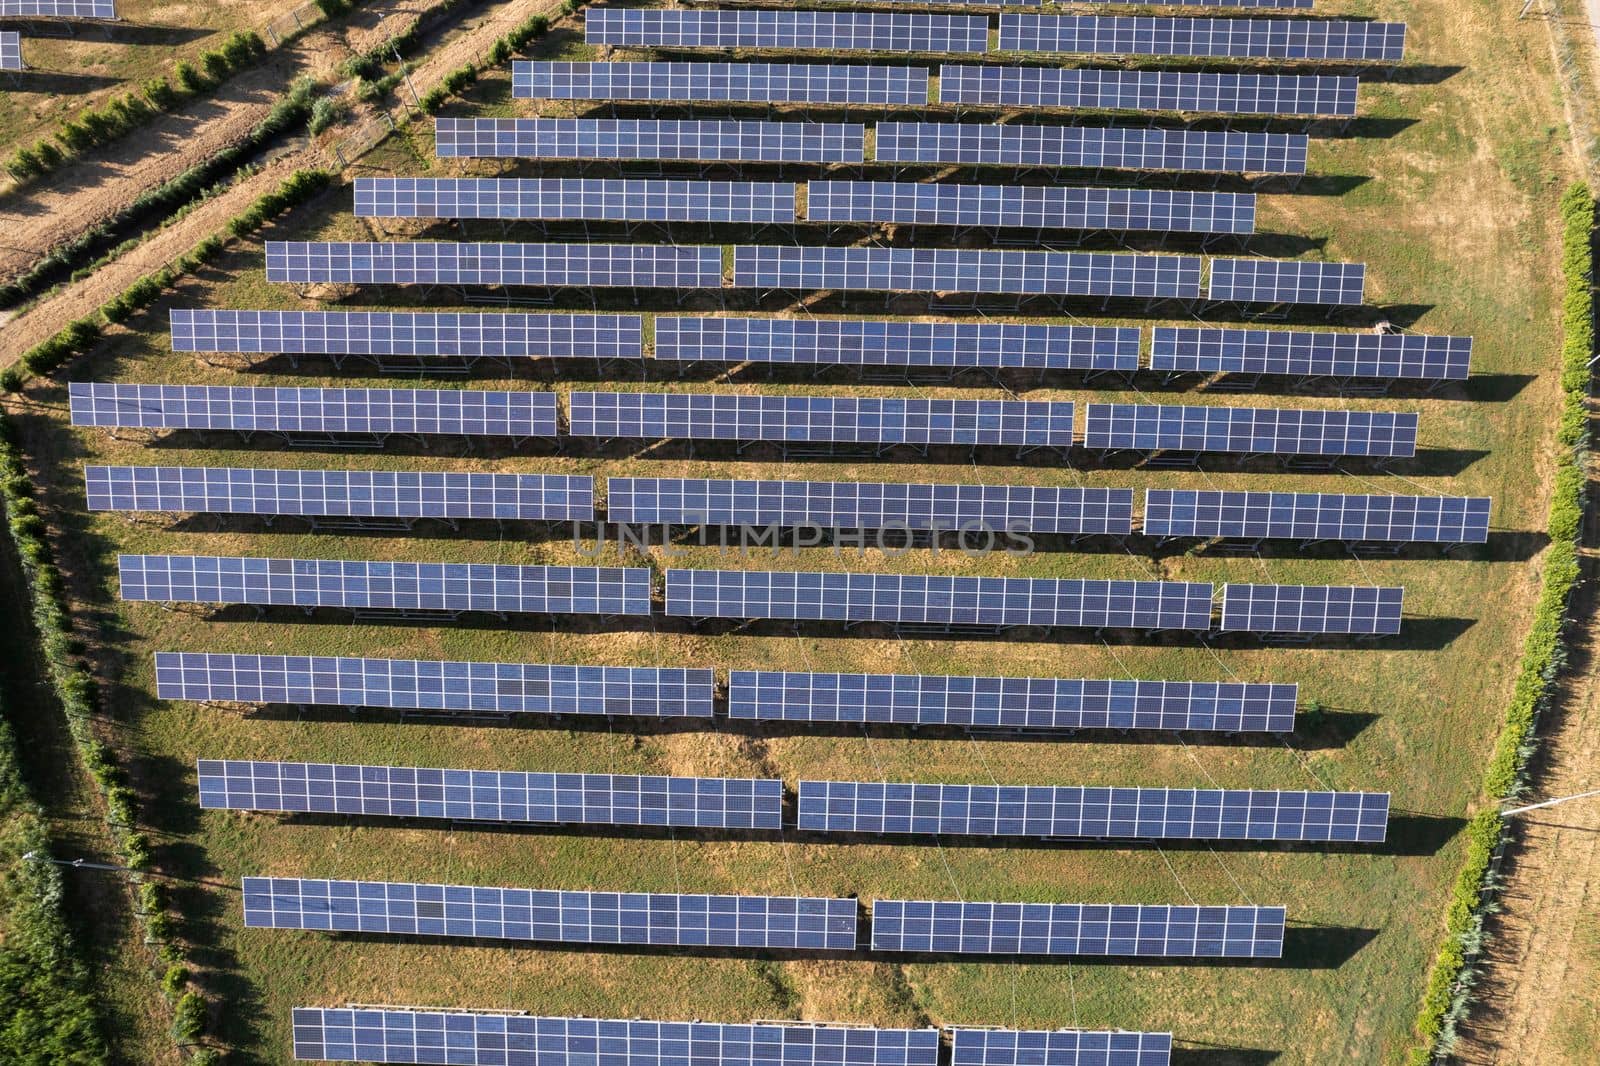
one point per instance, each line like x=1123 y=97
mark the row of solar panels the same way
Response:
x=63 y=9
x=732 y=417
x=881 y=699
x=820 y=504
x=11 y=51
x=1324 y=40
x=874 y=342
x=760 y=594
x=450 y=1038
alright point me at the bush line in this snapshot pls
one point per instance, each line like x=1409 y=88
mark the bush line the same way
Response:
x=515 y=39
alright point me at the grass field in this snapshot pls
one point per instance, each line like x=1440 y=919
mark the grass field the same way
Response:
x=1460 y=166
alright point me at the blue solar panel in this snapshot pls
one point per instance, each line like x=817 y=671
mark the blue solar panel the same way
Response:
x=62 y=9
x=1308 y=39
x=415 y=411
x=1100 y=813
x=951 y=927
x=490 y=795
x=11 y=51
x=446 y=263
x=984 y=601
x=419 y=333
x=1286 y=281
x=385 y=586
x=456 y=1037
x=1316 y=516
x=1012 y=702
x=1038 y=206
x=1096 y=148
x=896 y=343
x=1279 y=351
x=847 y=31
x=703 y=416
x=793 y=83
x=424 y=685
x=586 y=199
x=339 y=493
x=964 y=270
x=1147 y=90
x=1250 y=430
x=1364 y=610
x=869 y=505
x=1060 y=1047
x=404 y=908
x=692 y=140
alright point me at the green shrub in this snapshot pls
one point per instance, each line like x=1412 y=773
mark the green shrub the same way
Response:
x=190 y=80
x=49 y=155
x=458 y=79
x=334 y=8
x=75 y=135
x=174 y=981
x=24 y=163
x=499 y=52
x=433 y=99
x=215 y=64
x=205 y=1056
x=324 y=113
x=189 y=1018
x=161 y=94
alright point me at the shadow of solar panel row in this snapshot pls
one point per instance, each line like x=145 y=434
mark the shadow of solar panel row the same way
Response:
x=703 y=416
x=1061 y=1047
x=881 y=342
x=339 y=493
x=408 y=333
x=1125 y=930
x=1012 y=702
x=1043 y=207
x=1309 y=39
x=982 y=601
x=1095 y=148
x=1316 y=516
x=771 y=922
x=1099 y=813
x=842 y=31
x=964 y=270
x=449 y=1038
x=1249 y=430
x=451 y=263
x=1147 y=90
x=423 y=685
x=1315 y=354
x=868 y=505
x=59 y=9
x=588 y=199
x=1360 y=610
x=688 y=140
x=490 y=795
x=1286 y=281
x=315 y=410
x=385 y=586
x=11 y=51
x=793 y=83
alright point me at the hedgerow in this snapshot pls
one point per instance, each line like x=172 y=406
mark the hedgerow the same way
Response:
x=514 y=40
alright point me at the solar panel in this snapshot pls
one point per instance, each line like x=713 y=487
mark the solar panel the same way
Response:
x=407 y=909
x=789 y=83
x=896 y=342
x=411 y=1036
x=339 y=493
x=1147 y=90
x=1096 y=148
x=1318 y=354
x=385 y=586
x=491 y=795
x=692 y=140
x=1093 y=929
x=1316 y=516
x=1060 y=1047
x=1099 y=813
x=1039 y=206
x=985 y=601
x=705 y=416
x=416 y=333
x=425 y=685
x=1250 y=430
x=61 y=9
x=1286 y=281
x=966 y=270
x=587 y=199
x=313 y=410
x=869 y=505
x=11 y=51
x=448 y=263
x=1308 y=39
x=1365 y=610
x=1012 y=702
x=847 y=31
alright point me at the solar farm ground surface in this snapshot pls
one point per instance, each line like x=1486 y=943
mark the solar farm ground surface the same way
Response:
x=1446 y=190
